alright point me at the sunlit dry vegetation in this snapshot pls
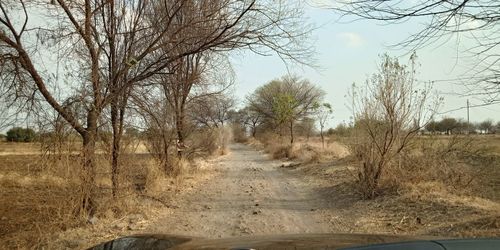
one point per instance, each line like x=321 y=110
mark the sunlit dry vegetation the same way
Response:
x=390 y=156
x=112 y=108
x=122 y=102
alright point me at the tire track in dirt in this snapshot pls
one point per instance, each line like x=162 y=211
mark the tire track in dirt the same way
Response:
x=251 y=195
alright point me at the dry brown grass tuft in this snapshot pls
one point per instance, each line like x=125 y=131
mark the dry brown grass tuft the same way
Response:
x=447 y=163
x=40 y=194
x=255 y=143
x=34 y=203
x=304 y=150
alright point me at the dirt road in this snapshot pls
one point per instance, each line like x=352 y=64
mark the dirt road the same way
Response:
x=250 y=195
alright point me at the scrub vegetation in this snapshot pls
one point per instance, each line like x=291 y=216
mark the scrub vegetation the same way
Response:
x=119 y=118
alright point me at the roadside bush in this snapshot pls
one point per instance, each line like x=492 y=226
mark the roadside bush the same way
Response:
x=208 y=141
x=282 y=151
x=342 y=130
x=389 y=113
x=441 y=165
x=160 y=142
x=239 y=133
x=18 y=134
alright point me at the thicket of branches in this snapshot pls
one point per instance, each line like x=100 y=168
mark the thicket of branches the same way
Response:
x=282 y=106
x=104 y=66
x=283 y=103
x=475 y=22
x=389 y=111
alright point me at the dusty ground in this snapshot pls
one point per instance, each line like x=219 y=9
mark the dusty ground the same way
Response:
x=250 y=195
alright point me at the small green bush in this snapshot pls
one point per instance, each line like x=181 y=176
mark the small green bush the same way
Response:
x=18 y=134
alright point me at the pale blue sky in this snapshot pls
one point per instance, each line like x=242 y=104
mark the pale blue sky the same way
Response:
x=349 y=52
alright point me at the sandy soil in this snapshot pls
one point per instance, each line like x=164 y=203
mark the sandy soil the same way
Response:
x=250 y=195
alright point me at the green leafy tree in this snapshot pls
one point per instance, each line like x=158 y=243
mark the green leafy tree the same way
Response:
x=18 y=134
x=285 y=101
x=283 y=107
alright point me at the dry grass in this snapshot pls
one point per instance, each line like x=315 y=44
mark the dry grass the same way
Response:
x=13 y=148
x=462 y=165
x=304 y=150
x=446 y=187
x=31 y=203
x=40 y=198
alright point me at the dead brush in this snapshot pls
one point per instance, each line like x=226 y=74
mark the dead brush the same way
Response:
x=389 y=111
x=309 y=154
x=438 y=161
x=154 y=177
x=180 y=166
x=35 y=205
x=202 y=144
x=283 y=151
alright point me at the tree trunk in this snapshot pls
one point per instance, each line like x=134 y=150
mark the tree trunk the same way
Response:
x=166 y=166
x=88 y=176
x=179 y=124
x=322 y=137
x=117 y=121
x=291 y=132
x=115 y=151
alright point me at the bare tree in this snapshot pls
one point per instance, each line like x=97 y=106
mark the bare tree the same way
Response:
x=109 y=46
x=389 y=112
x=323 y=113
x=105 y=51
x=212 y=111
x=250 y=118
x=259 y=26
x=443 y=20
x=486 y=126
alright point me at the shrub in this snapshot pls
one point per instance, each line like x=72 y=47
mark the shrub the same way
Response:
x=445 y=162
x=18 y=134
x=389 y=113
x=283 y=151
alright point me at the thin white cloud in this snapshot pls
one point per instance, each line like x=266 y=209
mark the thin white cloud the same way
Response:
x=351 y=39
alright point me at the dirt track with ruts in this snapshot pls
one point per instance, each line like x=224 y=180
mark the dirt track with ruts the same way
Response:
x=251 y=195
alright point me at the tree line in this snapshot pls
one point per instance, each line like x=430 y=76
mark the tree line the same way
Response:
x=445 y=126
x=449 y=126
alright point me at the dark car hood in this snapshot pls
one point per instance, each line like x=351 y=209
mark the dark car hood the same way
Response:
x=297 y=241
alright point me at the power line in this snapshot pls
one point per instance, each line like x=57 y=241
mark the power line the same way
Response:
x=468 y=106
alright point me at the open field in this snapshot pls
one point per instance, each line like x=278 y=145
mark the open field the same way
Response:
x=452 y=190
x=13 y=148
x=39 y=192
x=489 y=143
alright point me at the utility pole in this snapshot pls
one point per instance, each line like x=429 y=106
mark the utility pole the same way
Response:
x=468 y=107
x=353 y=102
x=468 y=117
